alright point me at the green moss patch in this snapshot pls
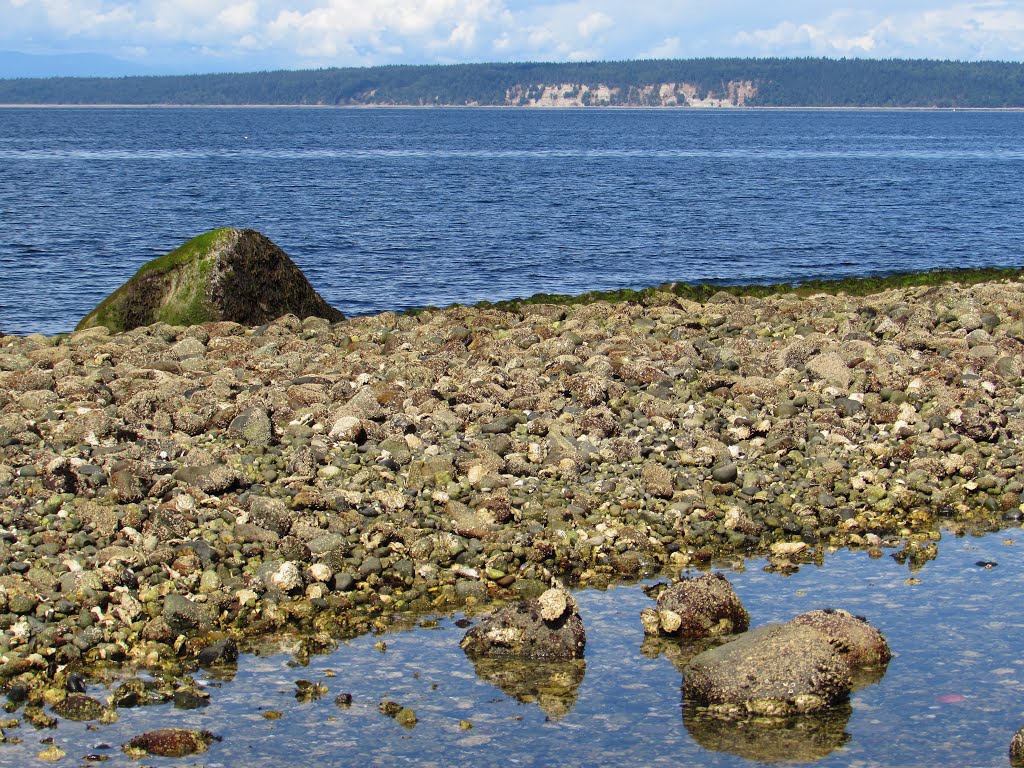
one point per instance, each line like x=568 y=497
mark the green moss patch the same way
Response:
x=146 y=297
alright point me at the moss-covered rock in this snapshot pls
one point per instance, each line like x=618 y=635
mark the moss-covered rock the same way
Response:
x=225 y=274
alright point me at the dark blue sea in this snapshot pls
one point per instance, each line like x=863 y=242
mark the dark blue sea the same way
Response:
x=398 y=208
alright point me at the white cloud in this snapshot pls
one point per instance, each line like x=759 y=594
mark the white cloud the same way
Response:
x=303 y=33
x=965 y=31
x=238 y=18
x=594 y=23
x=668 y=48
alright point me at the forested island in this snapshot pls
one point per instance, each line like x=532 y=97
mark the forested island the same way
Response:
x=709 y=82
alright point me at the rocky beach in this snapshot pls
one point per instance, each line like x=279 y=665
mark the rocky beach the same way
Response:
x=172 y=491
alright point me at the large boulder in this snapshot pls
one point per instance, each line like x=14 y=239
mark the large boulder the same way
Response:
x=782 y=670
x=548 y=628
x=774 y=670
x=226 y=274
x=703 y=606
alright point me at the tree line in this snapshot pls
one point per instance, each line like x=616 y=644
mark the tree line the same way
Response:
x=807 y=82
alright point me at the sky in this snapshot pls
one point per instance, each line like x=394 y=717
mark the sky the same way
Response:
x=189 y=36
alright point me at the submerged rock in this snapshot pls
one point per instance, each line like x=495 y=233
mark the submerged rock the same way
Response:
x=79 y=706
x=225 y=274
x=546 y=628
x=170 y=742
x=704 y=606
x=774 y=670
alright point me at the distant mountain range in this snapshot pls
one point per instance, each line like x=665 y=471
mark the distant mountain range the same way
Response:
x=648 y=83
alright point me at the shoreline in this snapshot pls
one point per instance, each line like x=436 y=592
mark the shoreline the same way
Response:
x=702 y=292
x=624 y=107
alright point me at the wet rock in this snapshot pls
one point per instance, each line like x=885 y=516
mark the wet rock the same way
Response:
x=306 y=690
x=863 y=645
x=389 y=708
x=226 y=274
x=223 y=651
x=79 y=706
x=190 y=697
x=522 y=630
x=170 y=742
x=138 y=693
x=406 y=717
x=775 y=670
x=185 y=616
x=51 y=754
x=695 y=607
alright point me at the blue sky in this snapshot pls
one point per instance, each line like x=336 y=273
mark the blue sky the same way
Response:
x=185 y=36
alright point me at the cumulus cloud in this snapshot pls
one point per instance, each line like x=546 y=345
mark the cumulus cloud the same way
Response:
x=304 y=33
x=963 y=31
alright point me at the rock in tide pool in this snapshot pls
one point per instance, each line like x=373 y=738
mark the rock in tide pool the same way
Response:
x=79 y=706
x=225 y=274
x=547 y=628
x=781 y=670
x=774 y=670
x=704 y=606
x=170 y=742
x=864 y=647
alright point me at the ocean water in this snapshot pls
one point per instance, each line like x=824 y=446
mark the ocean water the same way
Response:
x=398 y=208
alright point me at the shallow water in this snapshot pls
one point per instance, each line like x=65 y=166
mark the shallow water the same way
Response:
x=953 y=694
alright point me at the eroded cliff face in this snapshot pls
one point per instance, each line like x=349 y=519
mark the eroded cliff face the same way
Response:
x=737 y=94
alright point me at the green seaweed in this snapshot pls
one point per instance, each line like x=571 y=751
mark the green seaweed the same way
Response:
x=196 y=247
x=134 y=302
x=702 y=292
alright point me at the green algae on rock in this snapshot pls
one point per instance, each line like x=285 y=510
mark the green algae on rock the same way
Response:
x=225 y=274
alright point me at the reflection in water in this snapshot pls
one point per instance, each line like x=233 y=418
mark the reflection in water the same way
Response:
x=678 y=651
x=551 y=685
x=866 y=676
x=801 y=739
